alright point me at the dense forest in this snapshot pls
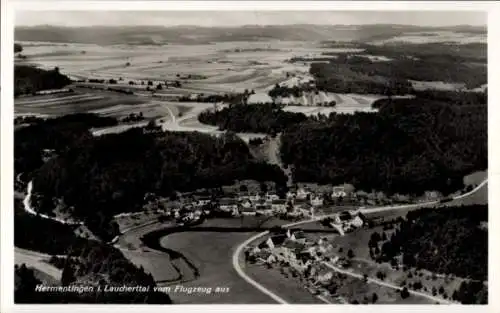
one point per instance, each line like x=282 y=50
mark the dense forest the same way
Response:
x=451 y=53
x=113 y=267
x=260 y=118
x=89 y=263
x=409 y=146
x=356 y=73
x=454 y=233
x=472 y=292
x=115 y=171
x=29 y=79
x=42 y=235
x=56 y=134
x=447 y=240
x=18 y=48
x=343 y=78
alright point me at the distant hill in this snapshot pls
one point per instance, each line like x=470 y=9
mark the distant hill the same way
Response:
x=195 y=34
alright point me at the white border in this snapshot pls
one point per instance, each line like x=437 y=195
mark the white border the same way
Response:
x=7 y=17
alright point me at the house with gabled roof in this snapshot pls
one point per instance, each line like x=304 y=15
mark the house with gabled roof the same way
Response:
x=248 y=211
x=323 y=274
x=228 y=205
x=298 y=236
x=264 y=209
x=270 y=197
x=302 y=193
x=265 y=256
x=317 y=201
x=246 y=203
x=279 y=205
x=254 y=197
x=273 y=241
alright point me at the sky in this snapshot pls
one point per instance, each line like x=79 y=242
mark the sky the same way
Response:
x=239 y=18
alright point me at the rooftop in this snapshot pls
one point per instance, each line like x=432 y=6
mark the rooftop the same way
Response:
x=293 y=245
x=279 y=239
x=263 y=254
x=227 y=202
x=279 y=201
x=299 y=235
x=249 y=209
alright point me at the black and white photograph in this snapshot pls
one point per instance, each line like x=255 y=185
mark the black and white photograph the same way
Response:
x=250 y=157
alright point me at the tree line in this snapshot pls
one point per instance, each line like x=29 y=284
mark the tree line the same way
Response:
x=262 y=118
x=98 y=177
x=29 y=80
x=88 y=263
x=447 y=240
x=54 y=134
x=354 y=73
x=410 y=146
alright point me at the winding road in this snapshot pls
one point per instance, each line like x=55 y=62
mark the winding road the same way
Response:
x=236 y=256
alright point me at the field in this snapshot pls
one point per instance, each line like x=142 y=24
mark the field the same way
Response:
x=76 y=102
x=211 y=68
x=434 y=36
x=289 y=289
x=224 y=69
x=199 y=258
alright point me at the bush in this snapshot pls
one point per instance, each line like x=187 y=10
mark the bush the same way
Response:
x=350 y=254
x=405 y=293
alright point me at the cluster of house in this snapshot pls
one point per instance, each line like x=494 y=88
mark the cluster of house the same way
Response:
x=305 y=256
x=346 y=221
x=300 y=203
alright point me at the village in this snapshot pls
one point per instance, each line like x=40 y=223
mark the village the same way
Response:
x=310 y=258
x=296 y=205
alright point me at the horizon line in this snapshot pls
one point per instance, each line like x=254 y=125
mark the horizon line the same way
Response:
x=248 y=25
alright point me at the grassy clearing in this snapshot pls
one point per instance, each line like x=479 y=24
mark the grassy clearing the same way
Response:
x=45 y=278
x=86 y=105
x=357 y=241
x=362 y=263
x=357 y=290
x=409 y=277
x=211 y=253
x=288 y=288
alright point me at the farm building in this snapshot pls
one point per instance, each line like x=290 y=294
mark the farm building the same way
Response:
x=279 y=205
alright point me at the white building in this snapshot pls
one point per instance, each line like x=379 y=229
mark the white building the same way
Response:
x=250 y=211
x=254 y=197
x=271 y=197
x=338 y=192
x=302 y=193
x=317 y=201
x=246 y=204
x=279 y=205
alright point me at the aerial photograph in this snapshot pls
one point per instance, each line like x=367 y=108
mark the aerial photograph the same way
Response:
x=250 y=157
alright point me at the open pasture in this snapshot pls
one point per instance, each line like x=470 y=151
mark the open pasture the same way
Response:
x=217 y=67
x=77 y=102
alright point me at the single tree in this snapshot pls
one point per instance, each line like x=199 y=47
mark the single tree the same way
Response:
x=350 y=254
x=405 y=293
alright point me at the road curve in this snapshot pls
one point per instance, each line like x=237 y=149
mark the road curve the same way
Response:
x=239 y=249
x=239 y=270
x=385 y=284
x=36 y=260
